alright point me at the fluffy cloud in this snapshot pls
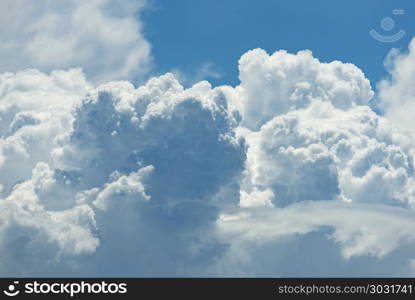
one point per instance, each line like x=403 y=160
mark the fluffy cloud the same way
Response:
x=103 y=37
x=274 y=84
x=143 y=163
x=34 y=110
x=397 y=93
x=319 y=174
x=184 y=134
x=358 y=170
x=324 y=153
x=35 y=238
x=114 y=180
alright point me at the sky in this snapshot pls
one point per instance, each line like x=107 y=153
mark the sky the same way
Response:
x=207 y=138
x=187 y=35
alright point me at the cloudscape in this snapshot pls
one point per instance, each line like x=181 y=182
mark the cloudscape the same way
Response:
x=112 y=164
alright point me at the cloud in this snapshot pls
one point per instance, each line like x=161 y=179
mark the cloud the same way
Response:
x=288 y=173
x=275 y=84
x=104 y=37
x=397 y=93
x=34 y=238
x=321 y=178
x=325 y=192
x=35 y=109
x=184 y=141
x=143 y=162
x=324 y=153
x=306 y=236
x=184 y=134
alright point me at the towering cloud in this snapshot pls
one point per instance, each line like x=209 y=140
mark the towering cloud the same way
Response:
x=325 y=181
x=275 y=84
x=132 y=168
x=288 y=173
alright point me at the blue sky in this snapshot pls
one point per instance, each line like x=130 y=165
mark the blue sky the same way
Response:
x=187 y=34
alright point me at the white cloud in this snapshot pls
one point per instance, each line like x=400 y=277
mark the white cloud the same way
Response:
x=115 y=180
x=34 y=238
x=274 y=84
x=358 y=232
x=180 y=132
x=257 y=237
x=125 y=188
x=324 y=153
x=34 y=110
x=138 y=159
x=104 y=37
x=397 y=93
x=322 y=145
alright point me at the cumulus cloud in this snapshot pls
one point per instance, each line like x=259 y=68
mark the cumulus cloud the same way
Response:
x=103 y=37
x=142 y=162
x=184 y=134
x=397 y=93
x=324 y=153
x=354 y=165
x=275 y=84
x=34 y=110
x=118 y=180
x=34 y=238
